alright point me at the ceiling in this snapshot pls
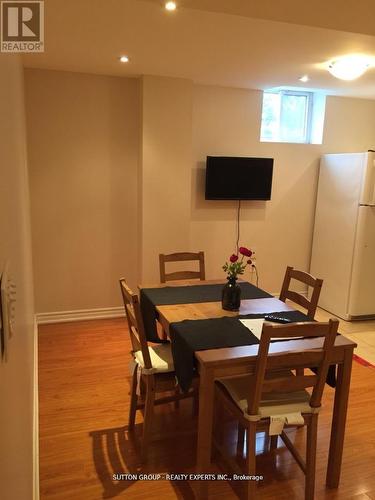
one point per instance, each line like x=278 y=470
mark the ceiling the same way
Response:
x=351 y=15
x=237 y=43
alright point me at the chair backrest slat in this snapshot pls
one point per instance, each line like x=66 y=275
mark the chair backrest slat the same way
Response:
x=135 y=322
x=137 y=340
x=281 y=383
x=298 y=298
x=289 y=384
x=181 y=275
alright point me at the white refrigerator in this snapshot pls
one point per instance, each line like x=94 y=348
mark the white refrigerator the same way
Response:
x=343 y=250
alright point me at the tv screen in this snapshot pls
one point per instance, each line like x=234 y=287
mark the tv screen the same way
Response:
x=237 y=178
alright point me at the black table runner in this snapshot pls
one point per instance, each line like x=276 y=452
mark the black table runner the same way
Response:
x=189 y=336
x=152 y=297
x=198 y=335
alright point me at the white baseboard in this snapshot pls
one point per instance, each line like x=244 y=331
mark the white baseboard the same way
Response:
x=35 y=417
x=79 y=315
x=87 y=314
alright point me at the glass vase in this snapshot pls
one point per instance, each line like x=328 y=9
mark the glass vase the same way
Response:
x=231 y=295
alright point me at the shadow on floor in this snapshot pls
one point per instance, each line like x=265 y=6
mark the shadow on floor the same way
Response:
x=116 y=453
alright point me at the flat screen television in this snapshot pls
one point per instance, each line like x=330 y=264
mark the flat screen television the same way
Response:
x=238 y=178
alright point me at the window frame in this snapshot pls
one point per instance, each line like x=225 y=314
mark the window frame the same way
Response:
x=308 y=114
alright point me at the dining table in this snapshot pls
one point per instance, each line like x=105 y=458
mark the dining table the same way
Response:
x=194 y=320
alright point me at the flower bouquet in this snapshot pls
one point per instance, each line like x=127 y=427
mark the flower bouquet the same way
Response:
x=231 y=295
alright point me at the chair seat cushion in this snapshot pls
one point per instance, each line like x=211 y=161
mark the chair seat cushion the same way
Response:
x=161 y=358
x=272 y=403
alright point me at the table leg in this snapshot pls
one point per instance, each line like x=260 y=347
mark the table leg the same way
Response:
x=205 y=423
x=338 y=420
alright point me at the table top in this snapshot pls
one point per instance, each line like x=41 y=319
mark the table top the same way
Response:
x=206 y=310
x=282 y=347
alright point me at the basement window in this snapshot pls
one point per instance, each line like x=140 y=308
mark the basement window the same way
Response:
x=292 y=116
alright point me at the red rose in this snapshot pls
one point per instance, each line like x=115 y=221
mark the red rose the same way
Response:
x=233 y=258
x=245 y=251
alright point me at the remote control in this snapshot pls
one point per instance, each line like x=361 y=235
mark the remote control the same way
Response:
x=274 y=318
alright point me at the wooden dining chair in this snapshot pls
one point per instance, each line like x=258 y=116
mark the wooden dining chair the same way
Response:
x=181 y=275
x=274 y=397
x=153 y=370
x=307 y=279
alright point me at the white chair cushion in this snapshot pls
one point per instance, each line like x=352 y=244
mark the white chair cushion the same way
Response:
x=161 y=358
x=271 y=403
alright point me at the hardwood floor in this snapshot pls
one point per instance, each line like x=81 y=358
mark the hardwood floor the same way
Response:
x=84 y=382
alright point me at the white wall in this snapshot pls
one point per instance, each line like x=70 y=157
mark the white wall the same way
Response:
x=165 y=170
x=17 y=373
x=83 y=141
x=226 y=121
x=117 y=177
x=349 y=125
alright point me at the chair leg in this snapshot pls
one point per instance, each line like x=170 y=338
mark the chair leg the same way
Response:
x=300 y=371
x=240 y=440
x=195 y=403
x=273 y=442
x=161 y=332
x=311 y=440
x=251 y=459
x=148 y=416
x=217 y=422
x=177 y=401
x=133 y=399
x=142 y=389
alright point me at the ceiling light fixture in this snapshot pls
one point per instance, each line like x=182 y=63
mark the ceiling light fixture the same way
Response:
x=304 y=79
x=170 y=6
x=349 y=67
x=124 y=59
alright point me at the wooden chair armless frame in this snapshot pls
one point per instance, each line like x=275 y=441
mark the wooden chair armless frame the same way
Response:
x=182 y=275
x=307 y=279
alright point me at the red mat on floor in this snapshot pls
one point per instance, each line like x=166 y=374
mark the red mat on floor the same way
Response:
x=362 y=361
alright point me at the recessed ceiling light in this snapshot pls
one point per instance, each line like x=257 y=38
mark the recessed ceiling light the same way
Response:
x=349 y=67
x=124 y=59
x=170 y=6
x=304 y=79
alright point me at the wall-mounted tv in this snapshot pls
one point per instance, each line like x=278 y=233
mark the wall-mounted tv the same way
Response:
x=238 y=178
